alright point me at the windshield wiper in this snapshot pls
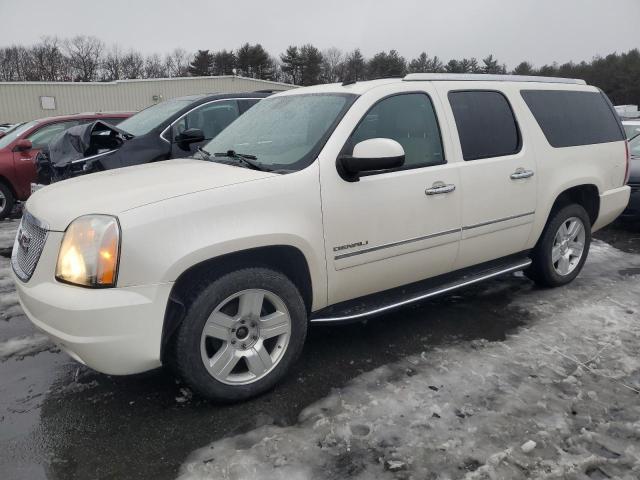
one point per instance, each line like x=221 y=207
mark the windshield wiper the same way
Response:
x=248 y=161
x=204 y=153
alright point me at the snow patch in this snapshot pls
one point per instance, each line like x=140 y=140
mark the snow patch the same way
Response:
x=558 y=399
x=24 y=346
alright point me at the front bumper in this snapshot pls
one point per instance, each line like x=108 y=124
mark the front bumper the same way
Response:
x=115 y=331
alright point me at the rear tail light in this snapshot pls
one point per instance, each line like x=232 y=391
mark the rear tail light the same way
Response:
x=627 y=171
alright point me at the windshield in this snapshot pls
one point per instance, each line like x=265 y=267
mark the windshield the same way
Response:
x=284 y=133
x=146 y=120
x=15 y=132
x=634 y=146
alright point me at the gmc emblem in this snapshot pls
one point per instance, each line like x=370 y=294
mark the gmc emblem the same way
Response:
x=24 y=239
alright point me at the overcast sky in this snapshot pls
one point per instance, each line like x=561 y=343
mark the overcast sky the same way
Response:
x=541 y=31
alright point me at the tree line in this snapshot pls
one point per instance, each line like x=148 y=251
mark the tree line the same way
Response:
x=86 y=58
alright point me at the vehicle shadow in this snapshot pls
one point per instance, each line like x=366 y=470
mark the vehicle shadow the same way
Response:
x=144 y=426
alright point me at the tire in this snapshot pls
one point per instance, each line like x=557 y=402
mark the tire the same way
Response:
x=555 y=259
x=7 y=201
x=237 y=334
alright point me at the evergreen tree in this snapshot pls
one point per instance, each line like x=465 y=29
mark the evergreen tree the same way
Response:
x=253 y=61
x=224 y=62
x=291 y=64
x=355 y=67
x=202 y=64
x=386 y=65
x=311 y=60
x=524 y=68
x=491 y=65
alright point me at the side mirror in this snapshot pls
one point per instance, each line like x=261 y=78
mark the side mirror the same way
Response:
x=189 y=136
x=371 y=155
x=23 y=145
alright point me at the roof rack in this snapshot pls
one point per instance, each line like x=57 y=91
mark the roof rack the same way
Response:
x=482 y=77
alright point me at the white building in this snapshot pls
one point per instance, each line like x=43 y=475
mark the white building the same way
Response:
x=23 y=101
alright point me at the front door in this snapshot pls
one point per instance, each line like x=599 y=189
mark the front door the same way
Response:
x=497 y=173
x=211 y=118
x=24 y=161
x=392 y=228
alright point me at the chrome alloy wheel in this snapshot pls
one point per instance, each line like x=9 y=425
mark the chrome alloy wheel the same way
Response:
x=245 y=337
x=568 y=246
x=3 y=201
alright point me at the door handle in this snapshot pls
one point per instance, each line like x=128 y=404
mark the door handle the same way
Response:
x=521 y=173
x=439 y=188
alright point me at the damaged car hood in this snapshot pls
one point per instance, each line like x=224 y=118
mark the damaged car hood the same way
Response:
x=114 y=191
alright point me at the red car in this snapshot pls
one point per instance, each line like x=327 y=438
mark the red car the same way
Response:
x=20 y=145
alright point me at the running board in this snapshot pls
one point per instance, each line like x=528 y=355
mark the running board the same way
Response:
x=380 y=303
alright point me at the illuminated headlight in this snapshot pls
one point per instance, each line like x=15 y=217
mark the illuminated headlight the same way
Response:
x=89 y=253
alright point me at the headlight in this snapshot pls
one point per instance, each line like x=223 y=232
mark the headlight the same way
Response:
x=89 y=253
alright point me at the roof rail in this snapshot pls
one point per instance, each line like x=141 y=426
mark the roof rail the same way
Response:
x=482 y=77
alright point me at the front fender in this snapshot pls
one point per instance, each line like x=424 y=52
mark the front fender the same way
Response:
x=162 y=240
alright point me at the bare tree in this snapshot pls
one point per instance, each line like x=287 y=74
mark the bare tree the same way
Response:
x=48 y=62
x=154 y=67
x=332 y=65
x=84 y=55
x=132 y=65
x=112 y=67
x=177 y=63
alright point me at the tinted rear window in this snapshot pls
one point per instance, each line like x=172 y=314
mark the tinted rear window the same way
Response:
x=486 y=124
x=569 y=119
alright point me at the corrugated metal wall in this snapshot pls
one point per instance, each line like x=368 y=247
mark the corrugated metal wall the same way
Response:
x=20 y=101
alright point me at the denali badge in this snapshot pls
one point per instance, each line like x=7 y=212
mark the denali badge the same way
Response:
x=350 y=245
x=24 y=239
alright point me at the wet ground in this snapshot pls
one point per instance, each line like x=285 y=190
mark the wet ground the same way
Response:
x=60 y=420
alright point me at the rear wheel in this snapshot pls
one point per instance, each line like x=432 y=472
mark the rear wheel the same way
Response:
x=562 y=248
x=7 y=201
x=241 y=334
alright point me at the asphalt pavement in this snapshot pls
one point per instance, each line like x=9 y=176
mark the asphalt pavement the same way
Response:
x=60 y=420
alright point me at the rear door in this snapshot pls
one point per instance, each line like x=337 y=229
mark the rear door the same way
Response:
x=497 y=174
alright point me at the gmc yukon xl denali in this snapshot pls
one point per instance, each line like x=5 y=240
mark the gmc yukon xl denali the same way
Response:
x=325 y=204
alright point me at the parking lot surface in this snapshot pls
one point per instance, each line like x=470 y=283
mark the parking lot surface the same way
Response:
x=502 y=380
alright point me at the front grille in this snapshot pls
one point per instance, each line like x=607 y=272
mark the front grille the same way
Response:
x=30 y=240
x=635 y=187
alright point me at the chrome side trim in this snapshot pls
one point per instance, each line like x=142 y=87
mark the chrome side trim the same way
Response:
x=491 y=222
x=431 y=235
x=424 y=296
x=396 y=244
x=94 y=156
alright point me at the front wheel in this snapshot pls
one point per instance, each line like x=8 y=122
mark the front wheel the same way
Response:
x=562 y=249
x=7 y=201
x=241 y=334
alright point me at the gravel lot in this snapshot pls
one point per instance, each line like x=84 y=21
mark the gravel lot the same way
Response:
x=501 y=380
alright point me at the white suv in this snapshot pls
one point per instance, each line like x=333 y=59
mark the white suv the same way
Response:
x=325 y=204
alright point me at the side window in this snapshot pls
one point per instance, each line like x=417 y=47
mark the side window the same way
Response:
x=572 y=118
x=211 y=118
x=486 y=124
x=408 y=119
x=44 y=135
x=246 y=103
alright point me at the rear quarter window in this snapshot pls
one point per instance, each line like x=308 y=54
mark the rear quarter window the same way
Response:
x=572 y=118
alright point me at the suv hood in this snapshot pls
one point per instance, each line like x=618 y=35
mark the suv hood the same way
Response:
x=114 y=191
